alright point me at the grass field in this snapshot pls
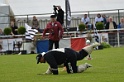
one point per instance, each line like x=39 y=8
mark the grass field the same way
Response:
x=108 y=66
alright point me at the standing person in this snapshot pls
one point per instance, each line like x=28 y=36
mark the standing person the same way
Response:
x=66 y=56
x=60 y=15
x=55 y=32
x=14 y=28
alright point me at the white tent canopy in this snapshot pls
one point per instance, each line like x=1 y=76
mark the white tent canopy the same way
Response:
x=21 y=7
x=25 y=7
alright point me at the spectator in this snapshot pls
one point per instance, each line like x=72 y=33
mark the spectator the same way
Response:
x=35 y=24
x=1 y=47
x=111 y=24
x=1 y=42
x=86 y=21
x=14 y=28
x=55 y=32
x=122 y=23
x=104 y=19
x=60 y=14
x=1 y=32
x=98 y=18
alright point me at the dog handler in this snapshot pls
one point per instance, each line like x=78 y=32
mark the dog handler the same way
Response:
x=65 y=56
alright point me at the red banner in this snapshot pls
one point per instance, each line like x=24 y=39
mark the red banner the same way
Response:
x=78 y=43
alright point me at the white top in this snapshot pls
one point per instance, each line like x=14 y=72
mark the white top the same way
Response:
x=98 y=19
x=59 y=50
x=85 y=20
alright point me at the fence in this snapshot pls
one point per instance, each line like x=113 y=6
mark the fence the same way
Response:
x=116 y=14
x=113 y=37
x=76 y=17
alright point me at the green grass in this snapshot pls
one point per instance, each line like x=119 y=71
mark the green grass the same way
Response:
x=108 y=66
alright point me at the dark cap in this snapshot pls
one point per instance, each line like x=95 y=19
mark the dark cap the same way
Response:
x=39 y=56
x=53 y=16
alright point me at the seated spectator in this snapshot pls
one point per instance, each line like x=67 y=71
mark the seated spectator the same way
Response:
x=86 y=20
x=14 y=28
x=104 y=19
x=98 y=18
x=35 y=24
x=122 y=23
x=111 y=24
x=1 y=32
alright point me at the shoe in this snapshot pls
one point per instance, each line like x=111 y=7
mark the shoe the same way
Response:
x=88 y=65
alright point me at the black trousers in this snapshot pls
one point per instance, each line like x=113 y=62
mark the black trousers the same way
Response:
x=51 y=42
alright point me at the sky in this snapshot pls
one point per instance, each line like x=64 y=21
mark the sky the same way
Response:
x=21 y=7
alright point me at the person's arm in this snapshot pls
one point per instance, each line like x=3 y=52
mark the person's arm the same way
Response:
x=82 y=20
x=61 y=11
x=67 y=67
x=52 y=62
x=37 y=25
x=74 y=66
x=48 y=71
x=115 y=25
x=16 y=28
x=12 y=33
x=96 y=20
x=32 y=24
x=102 y=20
x=71 y=67
x=88 y=20
x=107 y=26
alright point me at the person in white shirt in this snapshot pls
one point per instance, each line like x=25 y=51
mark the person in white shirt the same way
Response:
x=86 y=20
x=98 y=18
